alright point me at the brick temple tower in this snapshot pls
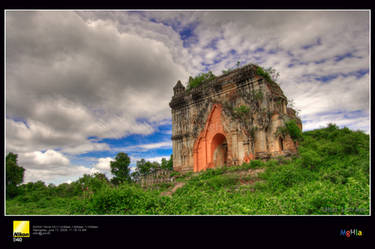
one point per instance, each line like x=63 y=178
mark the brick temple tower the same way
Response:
x=231 y=119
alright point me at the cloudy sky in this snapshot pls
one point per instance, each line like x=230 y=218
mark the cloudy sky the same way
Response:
x=83 y=86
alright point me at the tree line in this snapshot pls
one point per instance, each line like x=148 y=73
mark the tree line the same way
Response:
x=119 y=168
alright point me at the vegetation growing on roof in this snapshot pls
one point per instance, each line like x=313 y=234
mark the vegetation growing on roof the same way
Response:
x=199 y=80
x=270 y=74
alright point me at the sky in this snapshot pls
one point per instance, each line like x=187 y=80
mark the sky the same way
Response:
x=82 y=86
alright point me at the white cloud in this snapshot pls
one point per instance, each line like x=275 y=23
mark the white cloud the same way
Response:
x=38 y=159
x=104 y=164
x=155 y=145
x=72 y=78
x=51 y=167
x=150 y=159
x=84 y=148
x=156 y=159
x=58 y=175
x=145 y=147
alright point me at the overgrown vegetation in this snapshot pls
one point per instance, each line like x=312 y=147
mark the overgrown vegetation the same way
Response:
x=199 y=79
x=270 y=74
x=241 y=110
x=291 y=128
x=330 y=176
x=260 y=71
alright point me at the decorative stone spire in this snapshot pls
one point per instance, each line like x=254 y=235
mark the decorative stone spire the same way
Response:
x=178 y=88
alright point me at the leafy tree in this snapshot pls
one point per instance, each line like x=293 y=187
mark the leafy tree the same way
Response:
x=167 y=164
x=120 y=168
x=143 y=167
x=155 y=166
x=68 y=190
x=14 y=174
x=147 y=167
x=164 y=163
x=135 y=175
x=93 y=182
x=170 y=163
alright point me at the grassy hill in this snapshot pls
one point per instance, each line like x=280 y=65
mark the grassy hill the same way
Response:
x=330 y=176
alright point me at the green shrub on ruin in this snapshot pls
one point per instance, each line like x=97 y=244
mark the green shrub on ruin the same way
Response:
x=199 y=79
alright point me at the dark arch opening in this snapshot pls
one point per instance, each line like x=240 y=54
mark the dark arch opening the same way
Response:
x=281 y=144
x=219 y=150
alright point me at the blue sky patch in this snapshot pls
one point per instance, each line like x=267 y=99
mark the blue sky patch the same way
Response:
x=232 y=52
x=273 y=51
x=213 y=43
x=326 y=78
x=316 y=43
x=343 y=56
x=258 y=50
x=187 y=34
x=355 y=114
x=132 y=145
x=320 y=61
x=18 y=119
x=360 y=73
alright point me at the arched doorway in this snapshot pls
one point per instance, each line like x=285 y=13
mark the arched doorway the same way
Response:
x=211 y=148
x=281 y=144
x=219 y=150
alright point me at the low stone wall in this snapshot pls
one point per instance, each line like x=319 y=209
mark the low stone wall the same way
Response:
x=157 y=177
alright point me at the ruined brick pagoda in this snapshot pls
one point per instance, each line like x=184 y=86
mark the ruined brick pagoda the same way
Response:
x=231 y=119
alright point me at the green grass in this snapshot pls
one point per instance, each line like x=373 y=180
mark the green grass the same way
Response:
x=329 y=177
x=55 y=206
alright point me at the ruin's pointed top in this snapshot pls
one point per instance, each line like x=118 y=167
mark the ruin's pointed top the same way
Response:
x=179 y=85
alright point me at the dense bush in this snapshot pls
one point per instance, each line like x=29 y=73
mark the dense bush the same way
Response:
x=293 y=130
x=125 y=199
x=281 y=178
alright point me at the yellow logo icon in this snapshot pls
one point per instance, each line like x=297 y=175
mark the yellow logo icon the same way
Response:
x=21 y=228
